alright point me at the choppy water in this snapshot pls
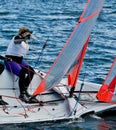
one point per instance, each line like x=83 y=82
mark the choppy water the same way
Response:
x=53 y=20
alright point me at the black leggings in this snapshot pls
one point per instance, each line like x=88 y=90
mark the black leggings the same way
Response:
x=25 y=76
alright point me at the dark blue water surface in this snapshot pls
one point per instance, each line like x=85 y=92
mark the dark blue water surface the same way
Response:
x=53 y=21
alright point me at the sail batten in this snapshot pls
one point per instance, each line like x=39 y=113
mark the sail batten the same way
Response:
x=74 y=45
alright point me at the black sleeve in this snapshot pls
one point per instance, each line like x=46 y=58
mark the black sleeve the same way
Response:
x=5 y=58
x=2 y=57
x=17 y=39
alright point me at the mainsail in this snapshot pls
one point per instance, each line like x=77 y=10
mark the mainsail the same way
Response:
x=72 y=47
x=107 y=92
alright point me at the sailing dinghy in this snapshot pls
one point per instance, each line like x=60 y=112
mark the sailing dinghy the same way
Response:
x=56 y=89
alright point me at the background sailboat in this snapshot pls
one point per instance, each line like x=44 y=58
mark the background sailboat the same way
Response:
x=107 y=92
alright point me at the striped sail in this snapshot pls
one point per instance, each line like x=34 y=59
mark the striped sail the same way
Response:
x=107 y=92
x=72 y=47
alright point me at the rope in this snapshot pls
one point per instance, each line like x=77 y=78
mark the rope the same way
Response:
x=78 y=98
x=40 y=54
x=15 y=92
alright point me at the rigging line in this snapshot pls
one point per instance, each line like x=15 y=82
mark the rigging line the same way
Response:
x=61 y=93
x=80 y=91
x=57 y=31
x=4 y=107
x=15 y=92
x=39 y=59
x=29 y=74
x=78 y=98
x=82 y=84
x=64 y=97
x=9 y=96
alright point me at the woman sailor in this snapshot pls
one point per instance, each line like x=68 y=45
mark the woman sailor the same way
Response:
x=16 y=50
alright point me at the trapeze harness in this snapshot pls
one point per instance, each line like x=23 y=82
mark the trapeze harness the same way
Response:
x=18 y=66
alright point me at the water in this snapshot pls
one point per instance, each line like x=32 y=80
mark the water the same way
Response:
x=53 y=21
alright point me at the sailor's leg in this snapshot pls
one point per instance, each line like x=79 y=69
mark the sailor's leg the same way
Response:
x=21 y=81
x=26 y=75
x=23 y=89
x=30 y=74
x=13 y=67
x=29 y=71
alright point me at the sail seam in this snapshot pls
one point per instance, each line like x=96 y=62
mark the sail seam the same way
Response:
x=89 y=17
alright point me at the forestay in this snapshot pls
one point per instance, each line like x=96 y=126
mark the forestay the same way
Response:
x=72 y=47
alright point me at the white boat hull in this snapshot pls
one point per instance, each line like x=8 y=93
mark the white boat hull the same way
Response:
x=54 y=105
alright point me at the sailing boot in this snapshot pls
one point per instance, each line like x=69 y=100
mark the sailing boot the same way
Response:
x=2 y=102
x=31 y=98
x=27 y=98
x=23 y=97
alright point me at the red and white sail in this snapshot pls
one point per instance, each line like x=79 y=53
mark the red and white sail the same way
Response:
x=73 y=46
x=107 y=92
